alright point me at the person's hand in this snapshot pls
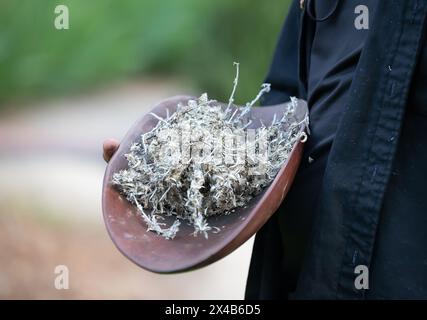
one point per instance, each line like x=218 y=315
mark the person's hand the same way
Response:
x=109 y=147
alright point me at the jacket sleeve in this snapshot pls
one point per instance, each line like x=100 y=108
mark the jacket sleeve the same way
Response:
x=283 y=74
x=265 y=270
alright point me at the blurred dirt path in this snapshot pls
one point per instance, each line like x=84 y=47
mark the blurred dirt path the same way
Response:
x=50 y=194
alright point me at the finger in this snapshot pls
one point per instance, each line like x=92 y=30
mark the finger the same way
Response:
x=109 y=147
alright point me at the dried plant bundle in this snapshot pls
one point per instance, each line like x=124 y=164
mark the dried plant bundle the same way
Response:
x=205 y=160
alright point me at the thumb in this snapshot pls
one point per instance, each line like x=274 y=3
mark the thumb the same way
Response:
x=109 y=147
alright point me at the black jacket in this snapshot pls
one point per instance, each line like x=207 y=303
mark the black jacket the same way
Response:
x=372 y=207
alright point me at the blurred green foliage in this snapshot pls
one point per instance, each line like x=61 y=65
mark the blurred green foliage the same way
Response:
x=112 y=40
